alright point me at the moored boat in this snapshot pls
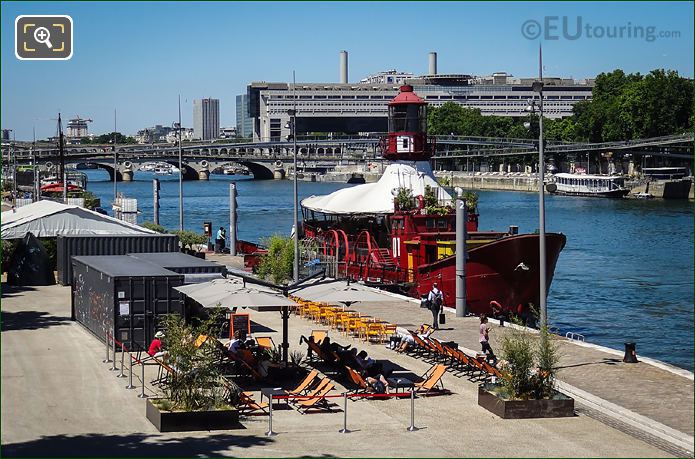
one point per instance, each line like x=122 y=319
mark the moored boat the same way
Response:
x=602 y=186
x=399 y=233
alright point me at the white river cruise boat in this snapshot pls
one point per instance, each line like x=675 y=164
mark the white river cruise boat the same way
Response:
x=602 y=186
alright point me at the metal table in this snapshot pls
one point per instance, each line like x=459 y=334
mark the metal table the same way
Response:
x=274 y=392
x=400 y=383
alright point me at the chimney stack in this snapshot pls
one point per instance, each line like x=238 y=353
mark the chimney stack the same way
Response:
x=433 y=63
x=343 y=67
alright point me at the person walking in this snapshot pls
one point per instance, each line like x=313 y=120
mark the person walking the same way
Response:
x=435 y=298
x=220 y=240
x=485 y=340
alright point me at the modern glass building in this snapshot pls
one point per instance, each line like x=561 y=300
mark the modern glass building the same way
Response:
x=244 y=123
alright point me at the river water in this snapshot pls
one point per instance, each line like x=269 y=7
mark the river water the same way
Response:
x=626 y=273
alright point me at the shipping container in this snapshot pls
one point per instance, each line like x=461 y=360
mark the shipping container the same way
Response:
x=124 y=297
x=181 y=263
x=109 y=244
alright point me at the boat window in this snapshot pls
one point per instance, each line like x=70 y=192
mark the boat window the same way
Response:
x=429 y=223
x=441 y=223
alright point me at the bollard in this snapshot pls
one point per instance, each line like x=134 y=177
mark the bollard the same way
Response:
x=345 y=399
x=113 y=366
x=142 y=374
x=412 y=427
x=270 y=432
x=121 y=375
x=130 y=373
x=630 y=353
x=106 y=340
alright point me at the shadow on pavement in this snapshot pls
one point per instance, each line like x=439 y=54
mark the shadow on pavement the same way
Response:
x=140 y=445
x=13 y=290
x=30 y=320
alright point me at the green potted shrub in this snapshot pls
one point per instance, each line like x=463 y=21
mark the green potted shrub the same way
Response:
x=526 y=390
x=195 y=397
x=190 y=240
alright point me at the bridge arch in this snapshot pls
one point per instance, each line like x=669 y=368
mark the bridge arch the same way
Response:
x=259 y=171
x=108 y=168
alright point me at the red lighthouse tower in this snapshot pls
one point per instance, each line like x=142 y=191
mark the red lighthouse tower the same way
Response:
x=407 y=137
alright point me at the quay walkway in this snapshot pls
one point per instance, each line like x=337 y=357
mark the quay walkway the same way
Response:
x=59 y=399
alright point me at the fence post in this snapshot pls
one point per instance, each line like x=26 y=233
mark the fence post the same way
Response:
x=142 y=375
x=113 y=366
x=130 y=372
x=412 y=427
x=121 y=375
x=345 y=400
x=106 y=340
x=270 y=432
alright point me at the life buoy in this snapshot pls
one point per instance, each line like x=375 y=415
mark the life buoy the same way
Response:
x=49 y=165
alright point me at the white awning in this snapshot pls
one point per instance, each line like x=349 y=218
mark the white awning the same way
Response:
x=50 y=219
x=377 y=198
x=338 y=291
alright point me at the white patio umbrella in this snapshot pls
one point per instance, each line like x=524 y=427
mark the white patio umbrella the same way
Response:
x=341 y=292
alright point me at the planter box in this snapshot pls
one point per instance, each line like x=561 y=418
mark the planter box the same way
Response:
x=167 y=421
x=558 y=407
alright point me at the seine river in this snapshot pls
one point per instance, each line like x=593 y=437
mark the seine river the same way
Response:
x=626 y=273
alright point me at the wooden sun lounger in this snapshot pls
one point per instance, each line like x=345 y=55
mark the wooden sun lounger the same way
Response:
x=431 y=379
x=312 y=393
x=248 y=405
x=304 y=386
x=316 y=402
x=319 y=335
x=358 y=381
x=265 y=342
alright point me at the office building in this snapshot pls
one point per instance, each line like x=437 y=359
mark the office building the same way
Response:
x=206 y=119
x=244 y=123
x=362 y=107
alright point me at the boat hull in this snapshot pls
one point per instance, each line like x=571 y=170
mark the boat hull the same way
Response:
x=599 y=194
x=506 y=271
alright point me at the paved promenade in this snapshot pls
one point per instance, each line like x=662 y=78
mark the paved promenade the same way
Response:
x=59 y=399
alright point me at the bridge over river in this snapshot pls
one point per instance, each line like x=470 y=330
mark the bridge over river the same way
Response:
x=319 y=154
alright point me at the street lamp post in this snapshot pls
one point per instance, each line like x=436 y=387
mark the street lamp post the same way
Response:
x=295 y=222
x=180 y=171
x=537 y=87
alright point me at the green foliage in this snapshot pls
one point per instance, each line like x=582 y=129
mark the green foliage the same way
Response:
x=8 y=247
x=277 y=264
x=296 y=357
x=51 y=246
x=190 y=238
x=154 y=227
x=471 y=199
x=90 y=200
x=623 y=107
x=530 y=363
x=404 y=199
x=195 y=384
x=108 y=138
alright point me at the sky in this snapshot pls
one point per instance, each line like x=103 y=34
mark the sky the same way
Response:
x=137 y=57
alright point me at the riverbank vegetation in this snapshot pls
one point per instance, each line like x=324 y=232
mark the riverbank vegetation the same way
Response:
x=624 y=107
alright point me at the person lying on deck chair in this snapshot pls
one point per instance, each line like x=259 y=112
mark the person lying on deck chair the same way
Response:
x=407 y=340
x=378 y=384
x=327 y=347
x=239 y=342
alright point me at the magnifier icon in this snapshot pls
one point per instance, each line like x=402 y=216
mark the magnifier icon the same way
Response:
x=42 y=35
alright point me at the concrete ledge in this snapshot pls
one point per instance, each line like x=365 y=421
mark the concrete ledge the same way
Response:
x=644 y=423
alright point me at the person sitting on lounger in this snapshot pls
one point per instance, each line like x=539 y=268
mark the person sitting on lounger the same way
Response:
x=377 y=383
x=155 y=350
x=407 y=340
x=239 y=342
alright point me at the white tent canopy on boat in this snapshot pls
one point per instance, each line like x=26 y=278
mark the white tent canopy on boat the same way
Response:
x=51 y=219
x=377 y=198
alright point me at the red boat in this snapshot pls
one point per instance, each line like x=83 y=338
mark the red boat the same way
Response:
x=399 y=233
x=58 y=188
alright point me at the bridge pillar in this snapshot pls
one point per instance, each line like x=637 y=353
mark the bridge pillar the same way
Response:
x=279 y=174
x=127 y=173
x=631 y=168
x=204 y=174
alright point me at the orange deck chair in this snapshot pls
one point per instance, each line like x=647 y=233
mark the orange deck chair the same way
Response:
x=431 y=379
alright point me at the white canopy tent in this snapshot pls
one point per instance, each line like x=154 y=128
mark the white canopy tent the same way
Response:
x=377 y=198
x=50 y=219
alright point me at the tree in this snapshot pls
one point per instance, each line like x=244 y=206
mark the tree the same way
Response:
x=278 y=263
x=154 y=227
x=190 y=238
